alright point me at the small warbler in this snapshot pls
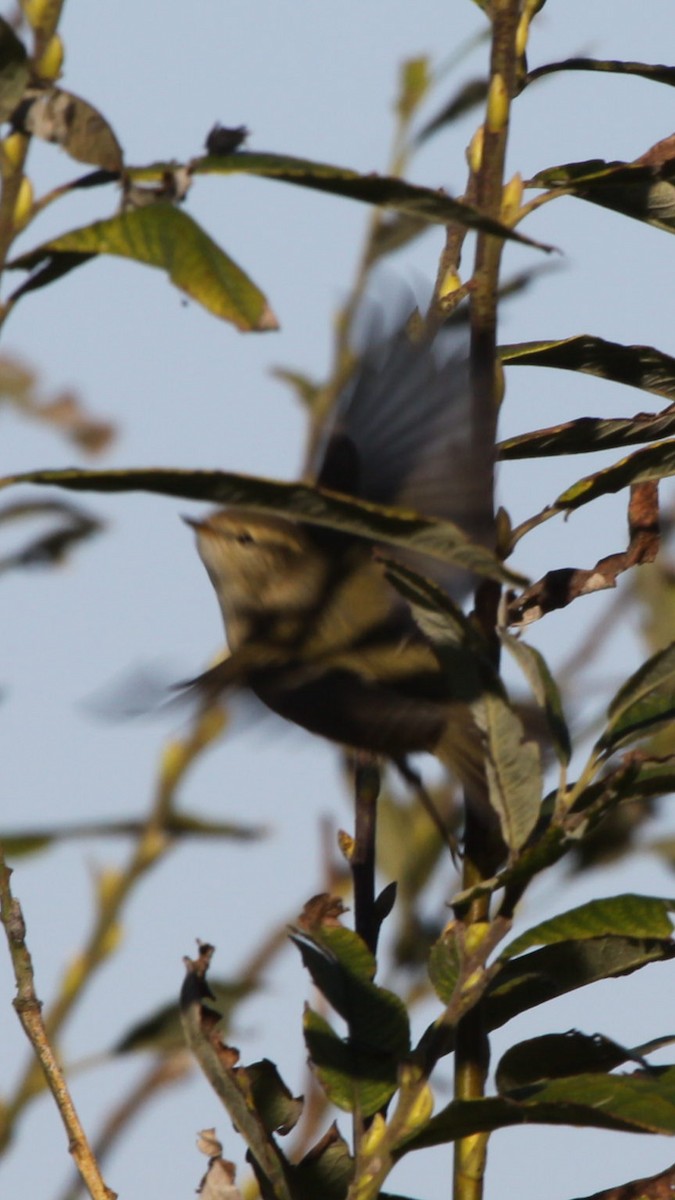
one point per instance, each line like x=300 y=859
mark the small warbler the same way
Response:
x=314 y=627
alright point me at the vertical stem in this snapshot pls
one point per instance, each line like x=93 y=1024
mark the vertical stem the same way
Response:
x=472 y=1045
x=366 y=790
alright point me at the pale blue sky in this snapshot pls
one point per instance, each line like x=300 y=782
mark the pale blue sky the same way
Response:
x=314 y=80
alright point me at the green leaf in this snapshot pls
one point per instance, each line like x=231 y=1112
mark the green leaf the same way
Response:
x=440 y=539
x=468 y=96
x=13 y=70
x=588 y=434
x=555 y=970
x=160 y=235
x=634 y=780
x=22 y=844
x=464 y=1118
x=326 y=1170
x=634 y=1103
x=342 y=968
x=654 y=462
x=513 y=769
x=646 y=699
x=557 y=1055
x=353 y=1079
x=625 y=916
x=444 y=965
x=545 y=689
x=644 y=1101
x=641 y=367
x=73 y=124
x=642 y=189
x=277 y=1108
x=428 y=204
x=653 y=71
x=542 y=975
x=436 y=613
x=414 y=82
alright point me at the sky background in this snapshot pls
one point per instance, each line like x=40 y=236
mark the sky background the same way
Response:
x=186 y=390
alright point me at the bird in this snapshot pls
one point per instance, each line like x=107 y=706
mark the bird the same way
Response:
x=315 y=627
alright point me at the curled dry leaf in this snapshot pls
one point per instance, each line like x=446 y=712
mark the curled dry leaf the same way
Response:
x=207 y=1143
x=321 y=910
x=218 y=1182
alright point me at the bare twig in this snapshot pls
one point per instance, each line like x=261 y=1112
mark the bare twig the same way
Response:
x=29 y=1010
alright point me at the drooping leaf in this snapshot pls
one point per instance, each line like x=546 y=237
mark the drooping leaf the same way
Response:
x=427 y=204
x=535 y=669
x=587 y=434
x=623 y=916
x=73 y=124
x=645 y=700
x=656 y=72
x=513 y=768
x=440 y=539
x=53 y=545
x=643 y=189
x=13 y=70
x=468 y=96
x=160 y=235
x=541 y=975
x=636 y=366
x=654 y=462
x=557 y=1055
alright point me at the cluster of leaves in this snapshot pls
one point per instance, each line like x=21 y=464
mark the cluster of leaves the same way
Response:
x=566 y=1078
x=553 y=1079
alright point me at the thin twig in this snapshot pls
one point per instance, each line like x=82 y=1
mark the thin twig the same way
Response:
x=29 y=1010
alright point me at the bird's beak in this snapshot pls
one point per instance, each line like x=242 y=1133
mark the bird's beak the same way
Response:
x=193 y=522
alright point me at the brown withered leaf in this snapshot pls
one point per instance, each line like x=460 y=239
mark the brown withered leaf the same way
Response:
x=19 y=385
x=322 y=910
x=219 y=1181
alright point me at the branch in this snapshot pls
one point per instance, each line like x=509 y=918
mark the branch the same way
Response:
x=29 y=1008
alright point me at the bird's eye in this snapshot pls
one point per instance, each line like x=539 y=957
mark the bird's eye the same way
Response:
x=244 y=539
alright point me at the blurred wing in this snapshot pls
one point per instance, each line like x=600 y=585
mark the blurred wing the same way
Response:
x=401 y=435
